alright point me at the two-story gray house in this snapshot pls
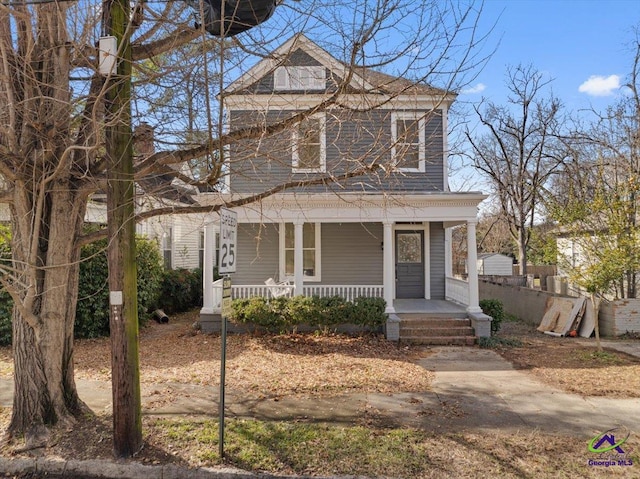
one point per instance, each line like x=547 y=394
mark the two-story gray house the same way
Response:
x=379 y=222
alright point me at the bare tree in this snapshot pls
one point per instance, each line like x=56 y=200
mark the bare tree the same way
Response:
x=521 y=150
x=52 y=104
x=493 y=234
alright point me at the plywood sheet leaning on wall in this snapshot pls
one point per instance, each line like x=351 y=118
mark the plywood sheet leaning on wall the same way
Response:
x=588 y=323
x=562 y=315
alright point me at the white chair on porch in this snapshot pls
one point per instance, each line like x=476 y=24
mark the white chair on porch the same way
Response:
x=278 y=289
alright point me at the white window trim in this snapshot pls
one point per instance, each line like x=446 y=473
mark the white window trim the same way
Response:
x=167 y=236
x=295 y=159
x=282 y=258
x=315 y=75
x=398 y=115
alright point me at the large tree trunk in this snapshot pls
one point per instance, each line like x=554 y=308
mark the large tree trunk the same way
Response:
x=47 y=212
x=45 y=392
x=521 y=240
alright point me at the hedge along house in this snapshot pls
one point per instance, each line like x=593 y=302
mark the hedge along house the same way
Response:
x=385 y=232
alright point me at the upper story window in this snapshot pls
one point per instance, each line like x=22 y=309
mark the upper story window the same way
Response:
x=309 y=145
x=408 y=137
x=299 y=78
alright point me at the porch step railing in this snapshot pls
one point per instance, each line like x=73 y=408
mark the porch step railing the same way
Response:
x=457 y=290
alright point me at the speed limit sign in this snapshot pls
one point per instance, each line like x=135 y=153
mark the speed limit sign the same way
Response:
x=228 y=236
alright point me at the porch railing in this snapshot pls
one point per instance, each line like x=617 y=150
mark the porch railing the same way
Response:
x=349 y=292
x=457 y=290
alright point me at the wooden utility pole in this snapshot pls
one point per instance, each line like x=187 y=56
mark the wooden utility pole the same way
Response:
x=123 y=320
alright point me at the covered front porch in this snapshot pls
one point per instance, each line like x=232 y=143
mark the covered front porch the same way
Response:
x=348 y=265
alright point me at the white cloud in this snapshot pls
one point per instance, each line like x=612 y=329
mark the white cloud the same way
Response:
x=479 y=88
x=598 y=85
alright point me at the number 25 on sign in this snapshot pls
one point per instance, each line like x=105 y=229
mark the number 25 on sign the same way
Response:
x=228 y=236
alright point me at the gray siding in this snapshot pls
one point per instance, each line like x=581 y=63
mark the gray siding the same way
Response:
x=437 y=269
x=351 y=253
x=257 y=254
x=354 y=138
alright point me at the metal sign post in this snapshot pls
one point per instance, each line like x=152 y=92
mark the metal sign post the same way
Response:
x=226 y=306
x=227 y=264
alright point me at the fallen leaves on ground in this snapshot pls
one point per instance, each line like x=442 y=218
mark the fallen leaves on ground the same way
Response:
x=264 y=365
x=573 y=364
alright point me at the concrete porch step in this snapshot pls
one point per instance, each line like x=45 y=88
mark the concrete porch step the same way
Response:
x=440 y=340
x=436 y=322
x=410 y=331
x=433 y=315
x=418 y=329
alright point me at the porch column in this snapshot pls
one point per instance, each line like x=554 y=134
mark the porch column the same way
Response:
x=472 y=268
x=298 y=257
x=209 y=262
x=448 y=253
x=388 y=269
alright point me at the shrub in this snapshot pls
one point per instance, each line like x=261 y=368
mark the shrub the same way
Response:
x=6 y=303
x=92 y=314
x=329 y=311
x=495 y=309
x=195 y=278
x=263 y=313
x=369 y=312
x=6 y=308
x=181 y=290
x=281 y=314
x=150 y=271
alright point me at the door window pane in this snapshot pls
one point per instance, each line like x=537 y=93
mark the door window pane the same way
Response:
x=409 y=248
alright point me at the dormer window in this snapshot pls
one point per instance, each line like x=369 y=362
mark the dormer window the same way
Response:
x=408 y=136
x=300 y=78
x=309 y=145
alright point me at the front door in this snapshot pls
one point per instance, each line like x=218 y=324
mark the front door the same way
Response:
x=409 y=264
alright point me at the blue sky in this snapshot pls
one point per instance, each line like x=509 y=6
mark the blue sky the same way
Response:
x=585 y=46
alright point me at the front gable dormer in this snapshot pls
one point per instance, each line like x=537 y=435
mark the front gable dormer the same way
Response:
x=297 y=59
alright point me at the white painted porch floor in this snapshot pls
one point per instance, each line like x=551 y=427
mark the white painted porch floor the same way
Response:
x=429 y=306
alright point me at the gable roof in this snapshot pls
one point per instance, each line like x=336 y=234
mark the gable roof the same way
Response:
x=482 y=256
x=364 y=79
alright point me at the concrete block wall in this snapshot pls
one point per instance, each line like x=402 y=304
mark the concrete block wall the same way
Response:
x=525 y=303
x=619 y=317
x=616 y=317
